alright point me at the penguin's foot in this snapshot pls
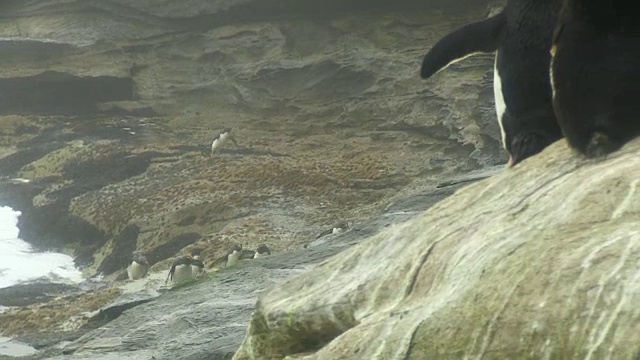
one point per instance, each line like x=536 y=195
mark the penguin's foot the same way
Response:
x=527 y=145
x=600 y=144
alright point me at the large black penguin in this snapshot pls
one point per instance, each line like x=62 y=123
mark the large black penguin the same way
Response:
x=595 y=74
x=521 y=37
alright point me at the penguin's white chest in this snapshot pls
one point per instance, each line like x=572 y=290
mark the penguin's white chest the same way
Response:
x=257 y=255
x=233 y=258
x=196 y=270
x=337 y=230
x=182 y=274
x=136 y=271
x=217 y=143
x=501 y=106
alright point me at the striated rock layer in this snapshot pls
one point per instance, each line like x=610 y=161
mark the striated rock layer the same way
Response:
x=538 y=262
x=108 y=107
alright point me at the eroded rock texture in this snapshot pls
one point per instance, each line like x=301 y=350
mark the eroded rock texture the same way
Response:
x=206 y=319
x=109 y=108
x=537 y=262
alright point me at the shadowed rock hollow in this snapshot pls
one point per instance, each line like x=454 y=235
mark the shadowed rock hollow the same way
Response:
x=537 y=262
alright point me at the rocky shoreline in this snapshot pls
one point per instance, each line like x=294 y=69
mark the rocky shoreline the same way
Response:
x=108 y=110
x=228 y=296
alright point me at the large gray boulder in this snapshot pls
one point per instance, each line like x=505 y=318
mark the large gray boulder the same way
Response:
x=540 y=261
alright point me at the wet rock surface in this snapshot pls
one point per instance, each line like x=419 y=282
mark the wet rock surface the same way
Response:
x=30 y=293
x=108 y=109
x=207 y=319
x=536 y=262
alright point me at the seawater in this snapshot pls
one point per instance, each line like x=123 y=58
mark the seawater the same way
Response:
x=20 y=263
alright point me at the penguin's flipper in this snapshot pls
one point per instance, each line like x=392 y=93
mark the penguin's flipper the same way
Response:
x=170 y=274
x=478 y=37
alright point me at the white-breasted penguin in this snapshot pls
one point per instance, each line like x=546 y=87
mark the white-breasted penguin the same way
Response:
x=220 y=138
x=138 y=267
x=336 y=229
x=180 y=270
x=262 y=250
x=521 y=37
x=595 y=74
x=233 y=255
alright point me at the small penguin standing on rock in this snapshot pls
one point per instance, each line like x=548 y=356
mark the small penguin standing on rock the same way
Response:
x=221 y=138
x=180 y=270
x=262 y=250
x=138 y=267
x=336 y=229
x=233 y=255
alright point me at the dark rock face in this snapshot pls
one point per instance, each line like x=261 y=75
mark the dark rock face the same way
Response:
x=55 y=93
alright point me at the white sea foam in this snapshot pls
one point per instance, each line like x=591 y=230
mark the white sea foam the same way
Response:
x=19 y=262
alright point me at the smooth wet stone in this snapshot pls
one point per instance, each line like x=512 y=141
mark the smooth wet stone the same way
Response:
x=16 y=349
x=539 y=261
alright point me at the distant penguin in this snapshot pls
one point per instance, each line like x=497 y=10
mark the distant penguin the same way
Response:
x=336 y=229
x=138 y=267
x=521 y=36
x=197 y=266
x=233 y=255
x=180 y=270
x=262 y=250
x=595 y=72
x=220 y=138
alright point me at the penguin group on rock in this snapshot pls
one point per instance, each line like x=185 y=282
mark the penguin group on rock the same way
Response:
x=563 y=68
x=190 y=267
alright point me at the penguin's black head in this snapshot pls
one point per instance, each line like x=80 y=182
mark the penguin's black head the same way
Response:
x=262 y=249
x=181 y=260
x=196 y=252
x=138 y=256
x=225 y=130
x=235 y=247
